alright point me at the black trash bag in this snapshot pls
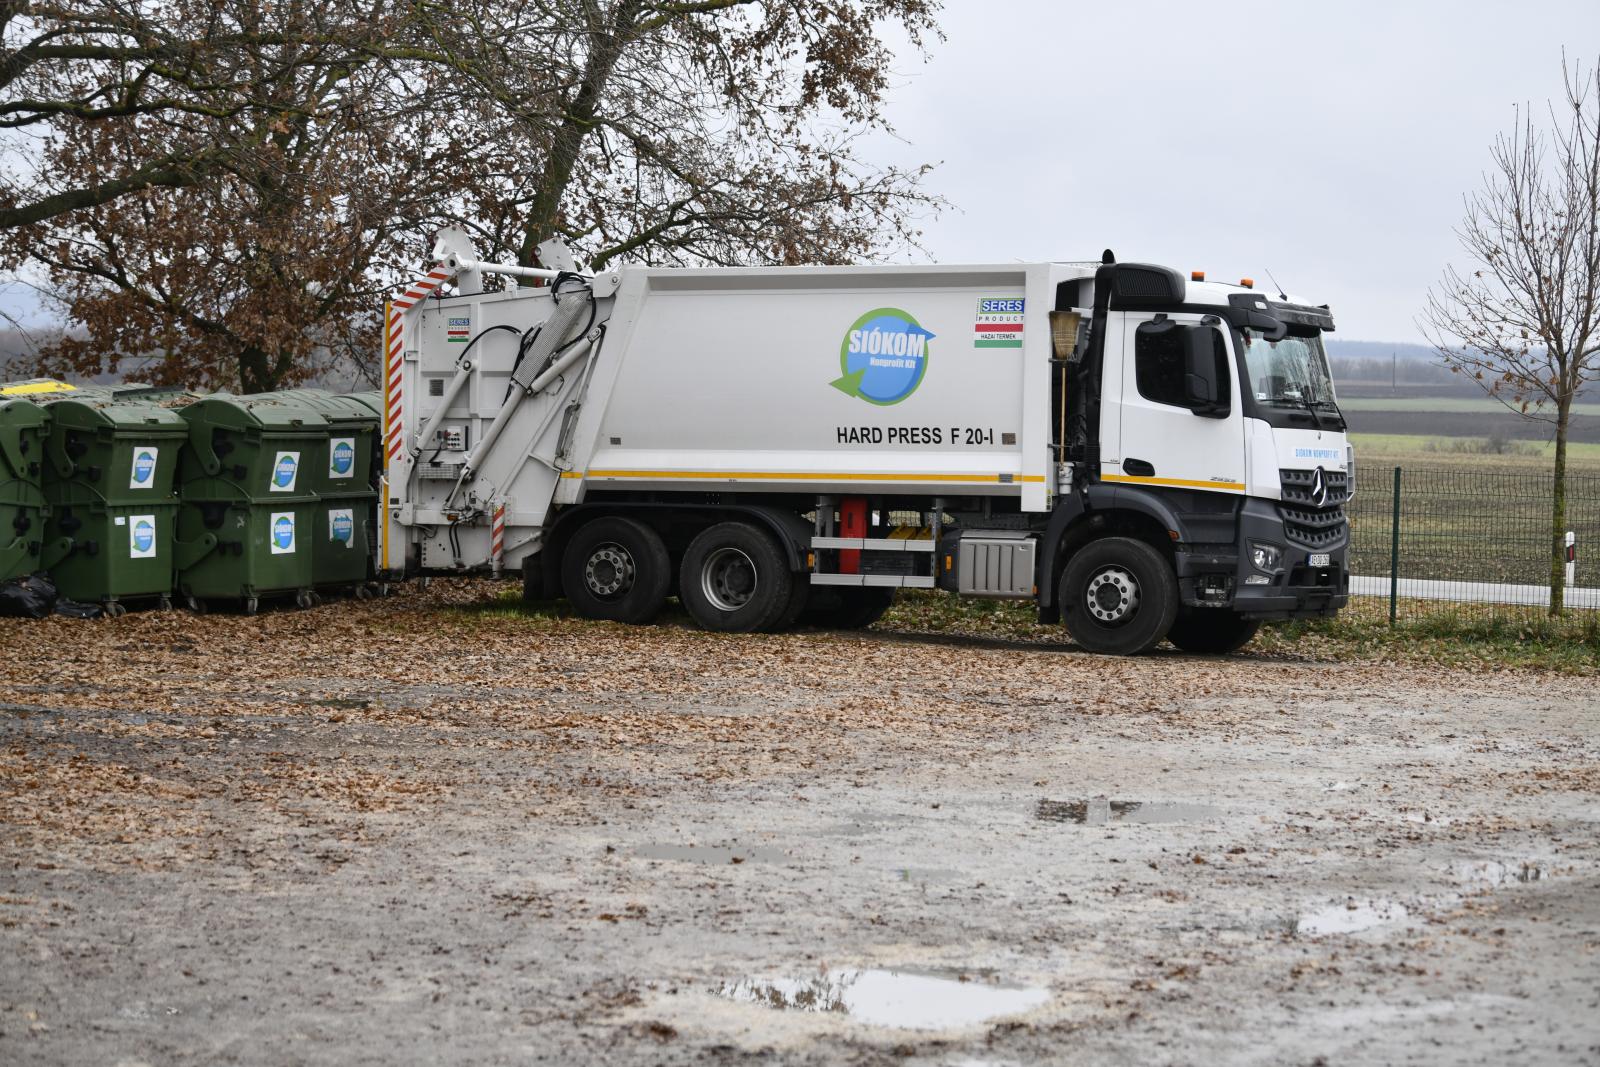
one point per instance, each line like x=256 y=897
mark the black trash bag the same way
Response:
x=76 y=609
x=32 y=596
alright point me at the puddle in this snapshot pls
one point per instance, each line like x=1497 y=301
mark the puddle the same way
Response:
x=901 y=999
x=1493 y=872
x=717 y=854
x=1100 y=811
x=1348 y=917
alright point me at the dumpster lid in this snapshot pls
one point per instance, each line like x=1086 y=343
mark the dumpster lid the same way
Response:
x=121 y=413
x=271 y=412
x=335 y=407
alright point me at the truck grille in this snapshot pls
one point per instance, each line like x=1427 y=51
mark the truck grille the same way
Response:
x=1297 y=486
x=1312 y=527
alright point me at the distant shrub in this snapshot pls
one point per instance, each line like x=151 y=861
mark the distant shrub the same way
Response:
x=1496 y=444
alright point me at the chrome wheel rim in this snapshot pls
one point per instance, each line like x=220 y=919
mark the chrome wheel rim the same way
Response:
x=728 y=579
x=609 y=571
x=1112 y=596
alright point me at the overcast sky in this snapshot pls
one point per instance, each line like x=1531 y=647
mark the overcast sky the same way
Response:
x=1329 y=143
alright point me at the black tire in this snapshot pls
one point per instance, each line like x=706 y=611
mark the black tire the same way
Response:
x=799 y=600
x=851 y=607
x=1212 y=631
x=1119 y=596
x=615 y=568
x=734 y=579
x=533 y=590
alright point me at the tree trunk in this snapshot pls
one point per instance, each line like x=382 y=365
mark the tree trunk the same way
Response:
x=256 y=371
x=544 y=210
x=1558 y=511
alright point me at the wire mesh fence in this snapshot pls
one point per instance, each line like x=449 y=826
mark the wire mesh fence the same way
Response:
x=1468 y=542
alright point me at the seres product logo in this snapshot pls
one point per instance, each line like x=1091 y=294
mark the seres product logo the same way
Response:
x=883 y=357
x=283 y=532
x=283 y=472
x=144 y=465
x=341 y=526
x=342 y=458
x=144 y=535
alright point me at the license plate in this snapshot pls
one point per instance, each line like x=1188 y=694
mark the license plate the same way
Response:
x=1319 y=559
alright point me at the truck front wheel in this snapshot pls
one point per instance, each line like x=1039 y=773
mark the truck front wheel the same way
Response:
x=1119 y=596
x=734 y=579
x=1212 y=631
x=615 y=568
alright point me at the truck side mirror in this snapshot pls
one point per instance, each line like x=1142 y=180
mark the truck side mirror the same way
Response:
x=1206 y=372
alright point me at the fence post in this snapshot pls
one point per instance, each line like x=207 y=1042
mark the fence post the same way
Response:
x=1394 y=549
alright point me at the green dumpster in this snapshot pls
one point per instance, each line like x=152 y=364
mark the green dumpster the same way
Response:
x=245 y=524
x=342 y=476
x=113 y=501
x=23 y=425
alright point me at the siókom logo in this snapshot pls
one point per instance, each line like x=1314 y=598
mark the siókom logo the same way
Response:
x=283 y=532
x=144 y=466
x=283 y=471
x=884 y=357
x=142 y=537
x=341 y=526
x=341 y=458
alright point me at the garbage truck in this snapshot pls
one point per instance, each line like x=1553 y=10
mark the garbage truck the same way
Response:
x=1140 y=454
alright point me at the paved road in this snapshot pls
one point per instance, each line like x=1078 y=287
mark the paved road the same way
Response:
x=1474 y=592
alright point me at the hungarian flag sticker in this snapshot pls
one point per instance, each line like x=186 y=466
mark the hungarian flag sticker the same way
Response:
x=999 y=323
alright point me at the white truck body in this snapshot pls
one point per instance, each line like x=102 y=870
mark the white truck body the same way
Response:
x=940 y=390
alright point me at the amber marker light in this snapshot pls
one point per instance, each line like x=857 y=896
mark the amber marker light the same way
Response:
x=1248 y=283
x=1197 y=276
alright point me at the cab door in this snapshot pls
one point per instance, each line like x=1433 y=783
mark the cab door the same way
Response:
x=1181 y=425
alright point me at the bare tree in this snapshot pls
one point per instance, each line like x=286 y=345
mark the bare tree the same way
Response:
x=1524 y=320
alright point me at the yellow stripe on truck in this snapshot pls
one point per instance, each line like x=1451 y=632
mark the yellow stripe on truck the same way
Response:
x=794 y=476
x=1178 y=483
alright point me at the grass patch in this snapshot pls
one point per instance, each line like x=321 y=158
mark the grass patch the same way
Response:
x=1425 y=450
x=1361 y=632
x=1569 y=645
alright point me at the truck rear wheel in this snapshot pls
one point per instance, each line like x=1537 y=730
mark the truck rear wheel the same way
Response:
x=1212 y=631
x=1118 y=595
x=734 y=579
x=835 y=607
x=615 y=568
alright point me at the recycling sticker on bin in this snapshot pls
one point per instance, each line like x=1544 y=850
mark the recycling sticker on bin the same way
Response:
x=341 y=457
x=285 y=469
x=281 y=525
x=142 y=536
x=143 y=473
x=342 y=526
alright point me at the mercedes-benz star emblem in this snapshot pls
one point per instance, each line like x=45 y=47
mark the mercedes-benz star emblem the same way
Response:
x=1319 y=488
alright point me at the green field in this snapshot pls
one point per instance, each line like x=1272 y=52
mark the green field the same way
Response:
x=1419 y=450
x=1447 y=404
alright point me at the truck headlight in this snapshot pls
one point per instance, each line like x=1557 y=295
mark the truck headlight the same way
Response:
x=1350 y=468
x=1265 y=556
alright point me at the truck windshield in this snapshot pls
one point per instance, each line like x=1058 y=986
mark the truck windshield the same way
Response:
x=1292 y=372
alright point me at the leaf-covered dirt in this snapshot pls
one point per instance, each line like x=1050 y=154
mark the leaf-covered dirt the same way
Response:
x=438 y=828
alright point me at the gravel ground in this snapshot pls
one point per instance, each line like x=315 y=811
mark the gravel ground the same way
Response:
x=425 y=830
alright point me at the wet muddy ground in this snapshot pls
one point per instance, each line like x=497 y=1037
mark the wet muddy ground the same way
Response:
x=416 y=832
